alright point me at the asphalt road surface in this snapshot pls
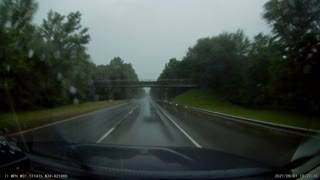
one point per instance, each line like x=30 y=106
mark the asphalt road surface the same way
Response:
x=147 y=123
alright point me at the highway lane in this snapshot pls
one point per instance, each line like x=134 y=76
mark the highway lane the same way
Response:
x=146 y=123
x=150 y=127
x=136 y=123
x=272 y=147
x=85 y=129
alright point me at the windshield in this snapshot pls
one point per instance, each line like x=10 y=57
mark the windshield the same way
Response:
x=234 y=77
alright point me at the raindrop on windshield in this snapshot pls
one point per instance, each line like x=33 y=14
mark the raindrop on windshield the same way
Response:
x=308 y=31
x=57 y=54
x=8 y=68
x=72 y=90
x=42 y=56
x=7 y=25
x=12 y=151
x=309 y=56
x=314 y=50
x=73 y=54
x=30 y=53
x=59 y=76
x=90 y=82
x=3 y=141
x=6 y=130
x=307 y=69
x=75 y=101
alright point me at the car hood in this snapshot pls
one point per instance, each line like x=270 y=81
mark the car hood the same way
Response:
x=155 y=161
x=158 y=158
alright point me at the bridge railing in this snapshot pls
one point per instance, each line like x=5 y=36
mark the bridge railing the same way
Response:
x=145 y=83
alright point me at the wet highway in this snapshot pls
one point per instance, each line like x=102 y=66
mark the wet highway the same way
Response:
x=147 y=126
x=144 y=122
x=139 y=122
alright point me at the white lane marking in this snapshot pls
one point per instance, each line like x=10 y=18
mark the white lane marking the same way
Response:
x=185 y=133
x=114 y=127
x=105 y=135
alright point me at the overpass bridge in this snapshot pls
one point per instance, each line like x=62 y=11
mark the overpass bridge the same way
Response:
x=162 y=83
x=107 y=89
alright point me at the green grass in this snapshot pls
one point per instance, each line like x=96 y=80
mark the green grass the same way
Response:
x=206 y=99
x=39 y=116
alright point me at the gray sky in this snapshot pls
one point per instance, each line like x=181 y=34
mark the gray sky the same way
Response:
x=148 y=33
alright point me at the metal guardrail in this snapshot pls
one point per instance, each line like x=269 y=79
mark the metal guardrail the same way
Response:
x=264 y=124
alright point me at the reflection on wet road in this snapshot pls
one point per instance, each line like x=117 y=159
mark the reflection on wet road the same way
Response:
x=143 y=122
x=148 y=127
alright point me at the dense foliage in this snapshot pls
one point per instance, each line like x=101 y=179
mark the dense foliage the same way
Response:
x=117 y=70
x=47 y=65
x=280 y=70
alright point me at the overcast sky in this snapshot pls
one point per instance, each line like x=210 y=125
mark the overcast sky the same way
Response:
x=148 y=33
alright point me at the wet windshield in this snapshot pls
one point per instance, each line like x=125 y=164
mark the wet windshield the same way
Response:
x=234 y=77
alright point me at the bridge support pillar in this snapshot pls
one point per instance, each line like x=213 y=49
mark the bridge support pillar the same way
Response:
x=166 y=93
x=110 y=94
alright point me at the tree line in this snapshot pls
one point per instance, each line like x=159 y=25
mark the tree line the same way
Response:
x=48 y=65
x=117 y=70
x=280 y=70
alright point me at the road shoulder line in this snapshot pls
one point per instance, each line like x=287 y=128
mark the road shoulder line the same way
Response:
x=183 y=132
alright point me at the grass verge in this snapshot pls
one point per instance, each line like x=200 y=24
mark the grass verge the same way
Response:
x=40 y=116
x=206 y=99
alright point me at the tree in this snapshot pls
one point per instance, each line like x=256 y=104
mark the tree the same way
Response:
x=17 y=38
x=261 y=75
x=296 y=27
x=66 y=57
x=47 y=65
x=117 y=69
x=280 y=70
x=218 y=62
x=171 y=70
